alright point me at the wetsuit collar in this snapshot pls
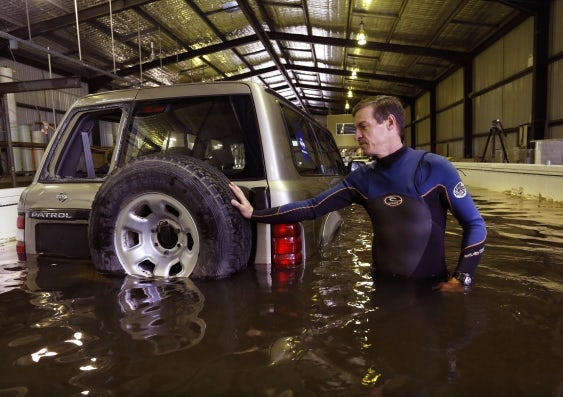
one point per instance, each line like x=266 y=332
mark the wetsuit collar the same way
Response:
x=388 y=160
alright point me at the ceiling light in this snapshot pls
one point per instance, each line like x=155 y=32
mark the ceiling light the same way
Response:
x=354 y=72
x=153 y=55
x=230 y=7
x=362 y=39
x=347 y=105
x=349 y=93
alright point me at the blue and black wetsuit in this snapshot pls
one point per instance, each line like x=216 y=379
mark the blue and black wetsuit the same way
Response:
x=407 y=195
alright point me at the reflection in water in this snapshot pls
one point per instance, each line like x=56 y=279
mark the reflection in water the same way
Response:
x=327 y=330
x=403 y=339
x=163 y=312
x=12 y=276
x=64 y=319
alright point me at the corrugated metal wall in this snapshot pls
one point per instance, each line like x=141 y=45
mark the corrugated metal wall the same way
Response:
x=449 y=116
x=502 y=89
x=42 y=103
x=502 y=81
x=408 y=127
x=31 y=110
x=422 y=121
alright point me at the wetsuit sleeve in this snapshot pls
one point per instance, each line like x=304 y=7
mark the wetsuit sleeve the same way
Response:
x=462 y=206
x=335 y=198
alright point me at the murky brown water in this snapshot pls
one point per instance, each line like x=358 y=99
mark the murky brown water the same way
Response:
x=67 y=331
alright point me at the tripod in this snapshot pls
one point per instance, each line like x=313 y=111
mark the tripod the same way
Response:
x=495 y=130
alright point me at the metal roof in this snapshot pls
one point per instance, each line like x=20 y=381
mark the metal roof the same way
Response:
x=305 y=50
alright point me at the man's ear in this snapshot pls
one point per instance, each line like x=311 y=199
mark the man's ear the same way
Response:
x=390 y=121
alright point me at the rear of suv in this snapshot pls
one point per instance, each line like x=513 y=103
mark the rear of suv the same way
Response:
x=138 y=180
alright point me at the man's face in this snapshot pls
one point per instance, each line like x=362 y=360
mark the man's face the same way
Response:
x=373 y=137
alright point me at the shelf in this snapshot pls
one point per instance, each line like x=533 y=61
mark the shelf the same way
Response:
x=31 y=145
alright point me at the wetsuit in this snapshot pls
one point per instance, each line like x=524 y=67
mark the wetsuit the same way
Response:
x=407 y=195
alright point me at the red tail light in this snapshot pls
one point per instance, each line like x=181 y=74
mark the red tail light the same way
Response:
x=20 y=237
x=287 y=245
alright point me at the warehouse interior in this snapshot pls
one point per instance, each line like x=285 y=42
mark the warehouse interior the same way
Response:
x=481 y=82
x=456 y=65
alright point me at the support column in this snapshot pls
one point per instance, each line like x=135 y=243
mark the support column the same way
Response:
x=540 y=72
x=468 y=111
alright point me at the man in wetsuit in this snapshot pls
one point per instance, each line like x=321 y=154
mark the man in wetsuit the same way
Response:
x=406 y=193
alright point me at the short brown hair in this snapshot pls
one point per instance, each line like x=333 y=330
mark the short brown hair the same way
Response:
x=383 y=106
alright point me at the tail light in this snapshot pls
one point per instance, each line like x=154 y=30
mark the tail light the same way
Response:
x=20 y=237
x=287 y=245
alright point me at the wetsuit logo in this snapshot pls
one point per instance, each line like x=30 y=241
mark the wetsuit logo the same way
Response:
x=393 y=200
x=459 y=190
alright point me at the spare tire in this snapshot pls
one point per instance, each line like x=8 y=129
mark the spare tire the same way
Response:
x=168 y=216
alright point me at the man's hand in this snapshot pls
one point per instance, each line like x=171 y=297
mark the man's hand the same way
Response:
x=452 y=285
x=243 y=205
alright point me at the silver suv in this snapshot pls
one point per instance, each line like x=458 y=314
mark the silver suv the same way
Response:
x=137 y=180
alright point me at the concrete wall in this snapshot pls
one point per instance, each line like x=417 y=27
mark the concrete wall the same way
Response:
x=8 y=213
x=535 y=181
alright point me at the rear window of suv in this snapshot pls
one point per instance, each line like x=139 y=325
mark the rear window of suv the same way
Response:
x=221 y=130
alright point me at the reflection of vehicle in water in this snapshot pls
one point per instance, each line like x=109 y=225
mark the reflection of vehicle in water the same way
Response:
x=162 y=311
x=83 y=331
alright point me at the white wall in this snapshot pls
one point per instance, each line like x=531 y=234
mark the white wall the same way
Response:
x=8 y=213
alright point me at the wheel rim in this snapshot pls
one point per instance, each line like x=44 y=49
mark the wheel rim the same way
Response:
x=155 y=235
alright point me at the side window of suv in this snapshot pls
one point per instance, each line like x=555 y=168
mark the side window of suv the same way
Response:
x=220 y=130
x=303 y=143
x=88 y=149
x=331 y=162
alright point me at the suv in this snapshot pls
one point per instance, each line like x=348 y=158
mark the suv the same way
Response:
x=138 y=180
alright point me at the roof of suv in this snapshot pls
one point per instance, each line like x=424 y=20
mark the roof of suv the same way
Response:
x=177 y=90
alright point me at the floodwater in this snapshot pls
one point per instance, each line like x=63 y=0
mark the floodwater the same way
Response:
x=330 y=330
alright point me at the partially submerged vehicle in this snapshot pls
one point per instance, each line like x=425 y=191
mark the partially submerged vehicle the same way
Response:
x=138 y=180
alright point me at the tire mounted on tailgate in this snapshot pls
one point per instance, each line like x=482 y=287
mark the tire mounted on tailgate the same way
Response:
x=168 y=216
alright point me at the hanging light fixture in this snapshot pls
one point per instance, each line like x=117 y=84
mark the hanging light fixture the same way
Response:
x=347 y=105
x=362 y=39
x=152 y=56
x=354 y=72
x=350 y=93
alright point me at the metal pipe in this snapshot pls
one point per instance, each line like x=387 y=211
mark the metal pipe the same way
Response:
x=140 y=50
x=112 y=40
x=77 y=30
x=52 y=93
x=28 y=23
x=61 y=56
